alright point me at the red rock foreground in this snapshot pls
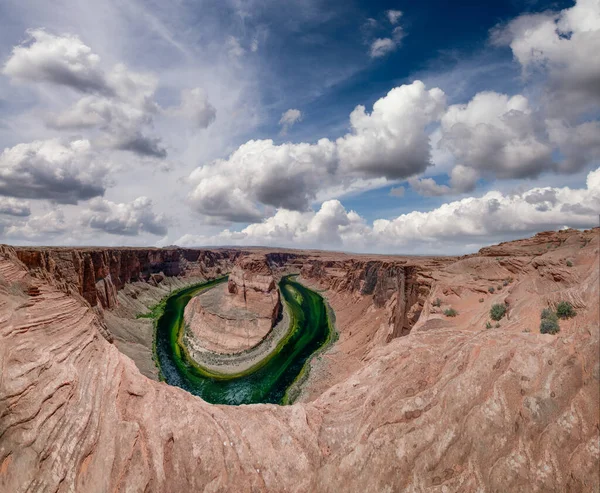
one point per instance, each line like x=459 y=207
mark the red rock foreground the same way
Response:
x=451 y=406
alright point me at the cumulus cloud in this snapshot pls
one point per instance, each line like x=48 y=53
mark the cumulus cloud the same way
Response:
x=62 y=60
x=331 y=225
x=119 y=102
x=51 y=169
x=462 y=179
x=38 y=227
x=288 y=176
x=496 y=135
x=390 y=142
x=196 y=107
x=14 y=207
x=562 y=47
x=289 y=118
x=458 y=223
x=128 y=219
x=579 y=144
x=496 y=214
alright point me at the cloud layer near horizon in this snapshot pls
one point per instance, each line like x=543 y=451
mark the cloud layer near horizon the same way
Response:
x=470 y=221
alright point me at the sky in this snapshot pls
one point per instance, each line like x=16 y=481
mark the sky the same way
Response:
x=401 y=127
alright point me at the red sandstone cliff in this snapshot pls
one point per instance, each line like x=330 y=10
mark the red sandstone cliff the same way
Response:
x=451 y=407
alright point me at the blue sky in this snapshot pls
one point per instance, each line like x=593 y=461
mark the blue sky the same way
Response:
x=239 y=122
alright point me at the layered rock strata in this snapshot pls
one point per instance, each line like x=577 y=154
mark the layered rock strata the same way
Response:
x=239 y=315
x=450 y=407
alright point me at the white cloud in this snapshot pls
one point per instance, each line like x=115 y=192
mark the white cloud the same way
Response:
x=390 y=142
x=38 y=227
x=495 y=214
x=393 y=16
x=289 y=118
x=497 y=135
x=563 y=47
x=128 y=219
x=50 y=169
x=119 y=102
x=380 y=47
x=450 y=226
x=62 y=60
x=331 y=225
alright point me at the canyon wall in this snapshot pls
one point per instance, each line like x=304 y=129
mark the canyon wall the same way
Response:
x=98 y=274
x=450 y=407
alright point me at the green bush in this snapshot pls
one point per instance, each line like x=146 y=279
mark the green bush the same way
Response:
x=565 y=310
x=569 y=263
x=549 y=323
x=488 y=325
x=437 y=302
x=498 y=287
x=481 y=300
x=498 y=325
x=549 y=314
x=497 y=311
x=549 y=326
x=450 y=312
x=491 y=289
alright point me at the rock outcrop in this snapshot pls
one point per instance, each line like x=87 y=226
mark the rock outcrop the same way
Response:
x=450 y=407
x=98 y=274
x=239 y=315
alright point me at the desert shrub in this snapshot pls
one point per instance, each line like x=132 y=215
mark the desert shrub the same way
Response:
x=450 y=312
x=549 y=314
x=498 y=325
x=497 y=311
x=498 y=287
x=437 y=302
x=549 y=323
x=565 y=310
x=569 y=263
x=481 y=300
x=505 y=283
x=549 y=326
x=491 y=289
x=488 y=325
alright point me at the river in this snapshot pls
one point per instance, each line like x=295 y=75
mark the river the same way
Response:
x=267 y=382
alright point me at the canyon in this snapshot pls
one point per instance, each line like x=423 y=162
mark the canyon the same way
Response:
x=407 y=398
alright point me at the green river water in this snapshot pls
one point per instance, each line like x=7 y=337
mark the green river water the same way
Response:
x=268 y=381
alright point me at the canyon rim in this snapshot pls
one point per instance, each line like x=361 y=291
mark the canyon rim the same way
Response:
x=407 y=399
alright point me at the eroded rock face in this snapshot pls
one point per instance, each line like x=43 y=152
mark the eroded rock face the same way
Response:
x=98 y=274
x=450 y=407
x=239 y=315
